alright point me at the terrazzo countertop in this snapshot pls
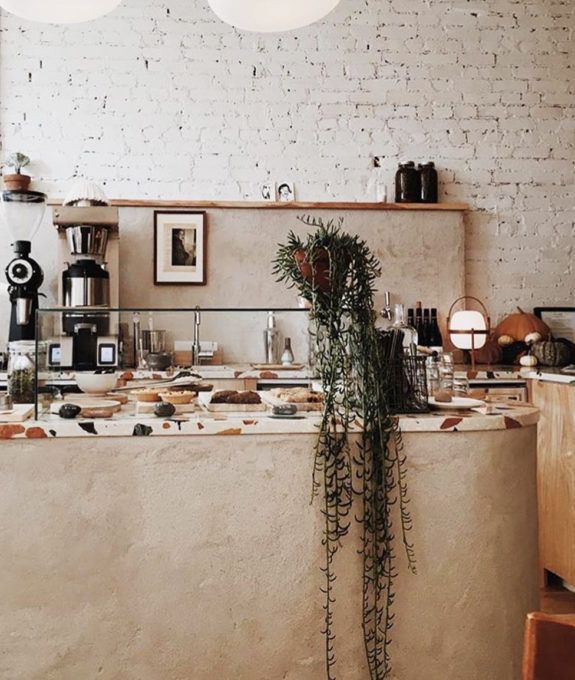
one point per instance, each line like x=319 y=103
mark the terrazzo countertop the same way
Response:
x=226 y=372
x=546 y=374
x=491 y=417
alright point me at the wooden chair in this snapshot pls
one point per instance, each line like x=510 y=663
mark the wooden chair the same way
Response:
x=549 y=651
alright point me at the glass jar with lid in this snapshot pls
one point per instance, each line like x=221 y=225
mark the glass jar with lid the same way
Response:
x=22 y=371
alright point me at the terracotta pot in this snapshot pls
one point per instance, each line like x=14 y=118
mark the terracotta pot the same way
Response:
x=318 y=272
x=17 y=182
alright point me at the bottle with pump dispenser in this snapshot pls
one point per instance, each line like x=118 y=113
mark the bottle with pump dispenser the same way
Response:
x=376 y=186
x=287 y=356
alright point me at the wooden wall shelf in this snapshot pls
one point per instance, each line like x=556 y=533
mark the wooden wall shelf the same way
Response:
x=268 y=205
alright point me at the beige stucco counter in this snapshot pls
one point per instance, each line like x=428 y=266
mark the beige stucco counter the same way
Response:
x=198 y=557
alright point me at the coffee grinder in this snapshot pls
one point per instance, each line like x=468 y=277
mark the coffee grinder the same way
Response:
x=89 y=339
x=22 y=211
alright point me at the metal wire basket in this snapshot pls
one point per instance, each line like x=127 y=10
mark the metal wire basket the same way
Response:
x=405 y=385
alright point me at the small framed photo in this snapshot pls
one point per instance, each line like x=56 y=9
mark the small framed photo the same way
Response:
x=180 y=247
x=285 y=192
x=268 y=191
x=561 y=321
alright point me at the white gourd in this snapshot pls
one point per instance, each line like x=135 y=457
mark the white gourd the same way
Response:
x=505 y=340
x=533 y=337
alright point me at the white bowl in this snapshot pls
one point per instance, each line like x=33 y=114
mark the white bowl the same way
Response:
x=96 y=383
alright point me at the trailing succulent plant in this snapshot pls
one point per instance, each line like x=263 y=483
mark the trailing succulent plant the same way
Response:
x=361 y=474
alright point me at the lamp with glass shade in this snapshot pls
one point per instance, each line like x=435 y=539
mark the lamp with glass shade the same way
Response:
x=268 y=16
x=59 y=11
x=468 y=328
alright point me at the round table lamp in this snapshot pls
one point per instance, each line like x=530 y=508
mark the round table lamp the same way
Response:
x=59 y=11
x=268 y=16
x=468 y=328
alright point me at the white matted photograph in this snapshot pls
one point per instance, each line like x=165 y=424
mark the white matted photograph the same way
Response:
x=180 y=247
x=285 y=192
x=268 y=191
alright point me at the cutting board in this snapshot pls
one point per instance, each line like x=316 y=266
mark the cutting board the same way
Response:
x=278 y=367
x=205 y=397
x=19 y=413
x=301 y=406
x=111 y=396
x=91 y=408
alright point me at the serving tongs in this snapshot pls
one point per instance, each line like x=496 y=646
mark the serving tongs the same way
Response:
x=181 y=379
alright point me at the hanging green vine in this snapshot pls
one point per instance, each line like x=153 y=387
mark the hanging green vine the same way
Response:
x=337 y=273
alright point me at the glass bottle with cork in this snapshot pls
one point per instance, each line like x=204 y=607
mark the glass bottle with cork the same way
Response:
x=435 y=338
x=409 y=335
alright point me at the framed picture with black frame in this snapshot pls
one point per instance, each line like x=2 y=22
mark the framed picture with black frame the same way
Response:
x=180 y=248
x=561 y=320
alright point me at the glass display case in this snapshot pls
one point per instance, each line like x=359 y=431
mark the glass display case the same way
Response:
x=88 y=350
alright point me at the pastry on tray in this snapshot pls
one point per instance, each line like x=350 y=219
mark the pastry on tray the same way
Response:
x=245 y=398
x=297 y=395
x=222 y=396
x=235 y=397
x=148 y=394
x=183 y=397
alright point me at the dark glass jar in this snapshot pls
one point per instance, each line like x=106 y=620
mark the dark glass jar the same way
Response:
x=407 y=184
x=429 y=183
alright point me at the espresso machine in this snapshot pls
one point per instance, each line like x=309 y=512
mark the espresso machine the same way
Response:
x=89 y=338
x=22 y=212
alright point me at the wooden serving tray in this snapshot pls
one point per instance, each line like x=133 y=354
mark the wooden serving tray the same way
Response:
x=17 y=414
x=110 y=396
x=204 y=398
x=301 y=406
x=91 y=408
x=278 y=367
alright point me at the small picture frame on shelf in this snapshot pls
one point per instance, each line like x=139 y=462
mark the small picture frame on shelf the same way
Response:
x=285 y=192
x=561 y=321
x=180 y=248
x=268 y=191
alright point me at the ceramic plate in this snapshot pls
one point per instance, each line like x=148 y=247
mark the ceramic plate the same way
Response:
x=457 y=403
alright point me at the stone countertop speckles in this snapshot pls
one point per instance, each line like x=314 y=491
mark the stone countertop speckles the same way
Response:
x=500 y=417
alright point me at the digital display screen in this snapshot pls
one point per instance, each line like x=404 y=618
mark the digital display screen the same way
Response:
x=55 y=356
x=107 y=355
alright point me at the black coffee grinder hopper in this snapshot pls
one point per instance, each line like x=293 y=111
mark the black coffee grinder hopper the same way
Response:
x=22 y=212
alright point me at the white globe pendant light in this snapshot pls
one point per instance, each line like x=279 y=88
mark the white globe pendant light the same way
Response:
x=59 y=11
x=268 y=16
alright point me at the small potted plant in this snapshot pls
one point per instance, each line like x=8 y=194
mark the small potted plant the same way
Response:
x=16 y=181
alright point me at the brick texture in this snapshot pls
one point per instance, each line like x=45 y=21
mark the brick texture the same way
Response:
x=160 y=99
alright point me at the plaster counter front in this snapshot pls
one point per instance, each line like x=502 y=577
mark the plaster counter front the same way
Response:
x=177 y=557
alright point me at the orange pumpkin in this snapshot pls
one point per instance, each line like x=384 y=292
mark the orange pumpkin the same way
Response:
x=520 y=325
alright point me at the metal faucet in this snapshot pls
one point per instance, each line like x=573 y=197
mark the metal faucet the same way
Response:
x=138 y=342
x=387 y=312
x=196 y=345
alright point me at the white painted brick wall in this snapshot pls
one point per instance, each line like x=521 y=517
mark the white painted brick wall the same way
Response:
x=161 y=100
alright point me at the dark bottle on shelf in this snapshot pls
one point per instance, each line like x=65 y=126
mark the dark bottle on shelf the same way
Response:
x=429 y=183
x=418 y=325
x=435 y=337
x=411 y=317
x=407 y=183
x=425 y=328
